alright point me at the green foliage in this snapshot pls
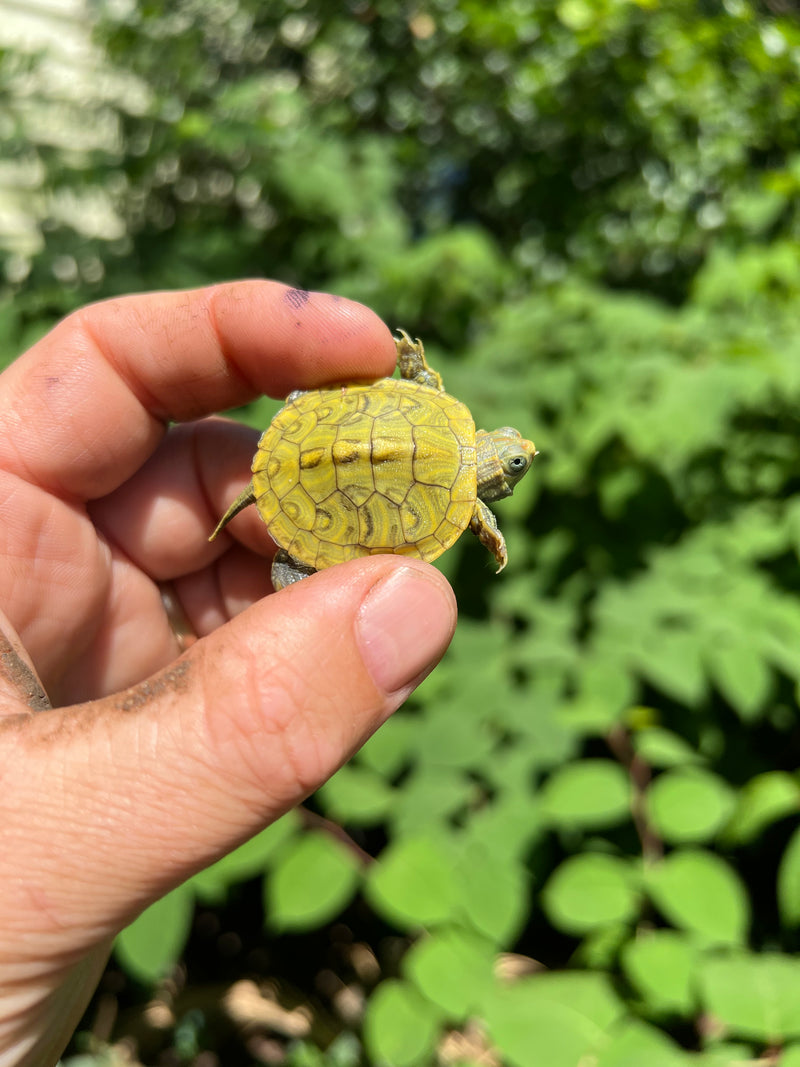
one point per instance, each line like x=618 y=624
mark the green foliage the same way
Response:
x=754 y=996
x=553 y=1019
x=400 y=1025
x=589 y=892
x=314 y=880
x=149 y=947
x=579 y=840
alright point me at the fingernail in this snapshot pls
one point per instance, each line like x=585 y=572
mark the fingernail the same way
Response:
x=404 y=625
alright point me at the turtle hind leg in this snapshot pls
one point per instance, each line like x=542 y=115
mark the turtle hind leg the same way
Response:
x=242 y=501
x=484 y=525
x=286 y=570
x=412 y=364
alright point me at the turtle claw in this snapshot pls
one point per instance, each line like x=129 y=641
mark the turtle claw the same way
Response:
x=412 y=364
x=484 y=526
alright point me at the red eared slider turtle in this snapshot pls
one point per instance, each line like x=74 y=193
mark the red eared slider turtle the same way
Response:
x=394 y=465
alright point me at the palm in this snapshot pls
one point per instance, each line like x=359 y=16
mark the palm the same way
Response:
x=86 y=595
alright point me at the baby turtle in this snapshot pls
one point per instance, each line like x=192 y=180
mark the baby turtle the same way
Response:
x=394 y=465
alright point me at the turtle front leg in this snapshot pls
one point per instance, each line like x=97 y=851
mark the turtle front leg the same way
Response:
x=286 y=570
x=412 y=364
x=484 y=525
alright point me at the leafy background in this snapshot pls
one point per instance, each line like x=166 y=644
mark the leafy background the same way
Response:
x=579 y=842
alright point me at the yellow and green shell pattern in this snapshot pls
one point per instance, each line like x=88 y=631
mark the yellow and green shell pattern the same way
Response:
x=386 y=466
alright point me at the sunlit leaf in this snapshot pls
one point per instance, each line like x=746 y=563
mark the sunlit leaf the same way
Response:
x=588 y=793
x=494 y=891
x=661 y=965
x=742 y=675
x=701 y=894
x=663 y=748
x=763 y=800
x=313 y=879
x=400 y=1025
x=152 y=944
x=632 y=1042
x=453 y=969
x=413 y=883
x=247 y=861
x=689 y=804
x=789 y=882
x=552 y=1019
x=591 y=890
x=356 y=795
x=754 y=996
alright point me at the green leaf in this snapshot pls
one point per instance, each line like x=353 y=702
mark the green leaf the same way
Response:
x=429 y=798
x=151 y=946
x=590 y=890
x=509 y=826
x=763 y=800
x=356 y=795
x=494 y=891
x=660 y=964
x=453 y=969
x=589 y=793
x=400 y=1025
x=742 y=675
x=689 y=804
x=700 y=893
x=413 y=883
x=633 y=1043
x=789 y=882
x=755 y=997
x=249 y=860
x=312 y=880
x=674 y=665
x=552 y=1020
x=790 y=1056
x=606 y=690
x=662 y=748
x=388 y=749
x=454 y=736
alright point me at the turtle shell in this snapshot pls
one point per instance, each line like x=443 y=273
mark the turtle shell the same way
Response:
x=386 y=466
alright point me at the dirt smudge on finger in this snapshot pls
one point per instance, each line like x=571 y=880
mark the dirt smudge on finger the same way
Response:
x=297 y=298
x=21 y=677
x=172 y=680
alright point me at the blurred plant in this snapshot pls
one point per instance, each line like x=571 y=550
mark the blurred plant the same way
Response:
x=580 y=839
x=325 y=145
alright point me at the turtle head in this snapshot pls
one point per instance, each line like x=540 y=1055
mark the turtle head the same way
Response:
x=503 y=457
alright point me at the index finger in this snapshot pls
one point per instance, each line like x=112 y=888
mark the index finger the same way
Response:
x=83 y=408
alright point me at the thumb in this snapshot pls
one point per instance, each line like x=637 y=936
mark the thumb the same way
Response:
x=110 y=804
x=115 y=802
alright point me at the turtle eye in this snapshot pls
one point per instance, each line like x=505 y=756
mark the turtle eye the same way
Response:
x=517 y=464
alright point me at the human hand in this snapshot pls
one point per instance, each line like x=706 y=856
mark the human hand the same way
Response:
x=154 y=763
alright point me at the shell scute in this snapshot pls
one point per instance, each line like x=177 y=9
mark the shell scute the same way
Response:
x=392 y=466
x=387 y=466
x=464 y=487
x=298 y=507
x=268 y=504
x=290 y=426
x=336 y=519
x=379 y=524
x=418 y=409
x=422 y=510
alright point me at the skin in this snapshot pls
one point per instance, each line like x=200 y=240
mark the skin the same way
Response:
x=155 y=762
